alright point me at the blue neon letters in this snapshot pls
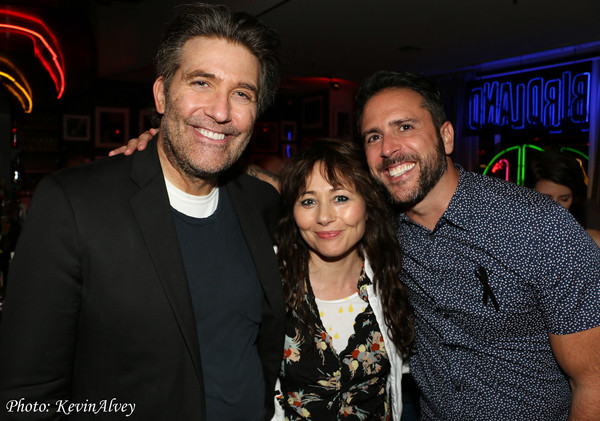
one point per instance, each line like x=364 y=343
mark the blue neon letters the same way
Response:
x=549 y=103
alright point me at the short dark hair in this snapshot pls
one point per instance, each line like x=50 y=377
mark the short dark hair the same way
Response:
x=559 y=168
x=385 y=79
x=343 y=164
x=217 y=21
x=564 y=169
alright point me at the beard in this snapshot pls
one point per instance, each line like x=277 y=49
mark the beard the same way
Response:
x=180 y=150
x=432 y=167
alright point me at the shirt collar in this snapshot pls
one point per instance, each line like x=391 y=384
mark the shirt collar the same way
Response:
x=459 y=212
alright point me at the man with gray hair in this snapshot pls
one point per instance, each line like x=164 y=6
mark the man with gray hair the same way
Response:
x=146 y=286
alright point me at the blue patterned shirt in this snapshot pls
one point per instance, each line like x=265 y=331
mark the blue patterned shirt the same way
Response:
x=503 y=267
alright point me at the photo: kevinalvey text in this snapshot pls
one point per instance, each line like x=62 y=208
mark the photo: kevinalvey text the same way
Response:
x=64 y=406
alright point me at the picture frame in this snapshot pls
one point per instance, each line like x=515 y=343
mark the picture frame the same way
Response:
x=112 y=127
x=312 y=113
x=265 y=137
x=146 y=119
x=76 y=127
x=343 y=123
x=288 y=131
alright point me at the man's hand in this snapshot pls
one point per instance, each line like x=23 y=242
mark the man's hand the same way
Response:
x=134 y=144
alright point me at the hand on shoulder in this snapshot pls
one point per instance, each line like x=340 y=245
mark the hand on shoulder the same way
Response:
x=137 y=143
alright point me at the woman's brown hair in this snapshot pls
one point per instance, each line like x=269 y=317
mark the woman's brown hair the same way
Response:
x=343 y=164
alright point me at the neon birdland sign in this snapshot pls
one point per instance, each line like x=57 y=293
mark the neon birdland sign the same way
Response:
x=555 y=99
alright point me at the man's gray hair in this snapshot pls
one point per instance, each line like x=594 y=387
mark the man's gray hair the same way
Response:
x=217 y=21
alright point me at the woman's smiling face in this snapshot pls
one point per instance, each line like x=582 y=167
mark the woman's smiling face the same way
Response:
x=330 y=219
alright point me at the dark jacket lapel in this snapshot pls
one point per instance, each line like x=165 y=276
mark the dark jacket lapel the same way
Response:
x=154 y=215
x=260 y=243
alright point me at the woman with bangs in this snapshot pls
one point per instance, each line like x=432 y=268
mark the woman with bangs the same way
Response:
x=347 y=317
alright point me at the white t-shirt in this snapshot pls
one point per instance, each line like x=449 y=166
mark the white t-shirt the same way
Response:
x=340 y=313
x=191 y=205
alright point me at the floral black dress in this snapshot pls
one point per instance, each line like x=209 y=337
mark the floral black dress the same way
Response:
x=319 y=384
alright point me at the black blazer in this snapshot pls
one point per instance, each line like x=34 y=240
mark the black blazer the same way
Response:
x=97 y=303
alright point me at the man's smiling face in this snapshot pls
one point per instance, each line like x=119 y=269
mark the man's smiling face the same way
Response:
x=209 y=108
x=404 y=150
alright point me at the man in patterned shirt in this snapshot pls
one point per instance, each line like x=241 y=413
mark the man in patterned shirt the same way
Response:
x=504 y=283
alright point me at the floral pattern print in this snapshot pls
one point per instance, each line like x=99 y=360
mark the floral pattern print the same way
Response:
x=319 y=383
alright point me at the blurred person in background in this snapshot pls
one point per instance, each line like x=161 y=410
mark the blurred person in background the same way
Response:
x=562 y=178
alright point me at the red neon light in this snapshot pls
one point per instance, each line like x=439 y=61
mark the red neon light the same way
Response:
x=36 y=29
x=59 y=81
x=39 y=22
x=501 y=165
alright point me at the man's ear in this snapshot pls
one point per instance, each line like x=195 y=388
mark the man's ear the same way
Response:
x=159 y=94
x=447 y=134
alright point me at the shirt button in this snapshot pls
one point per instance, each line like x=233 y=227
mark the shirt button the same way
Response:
x=458 y=388
x=446 y=316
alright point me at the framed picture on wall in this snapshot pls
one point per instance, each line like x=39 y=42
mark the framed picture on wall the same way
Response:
x=312 y=113
x=342 y=123
x=76 y=127
x=112 y=127
x=147 y=119
x=265 y=137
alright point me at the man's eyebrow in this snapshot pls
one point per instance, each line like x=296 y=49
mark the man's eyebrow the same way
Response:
x=393 y=123
x=401 y=121
x=249 y=86
x=200 y=73
x=206 y=75
x=370 y=131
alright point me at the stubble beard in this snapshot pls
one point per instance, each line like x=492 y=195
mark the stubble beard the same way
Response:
x=179 y=150
x=432 y=167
